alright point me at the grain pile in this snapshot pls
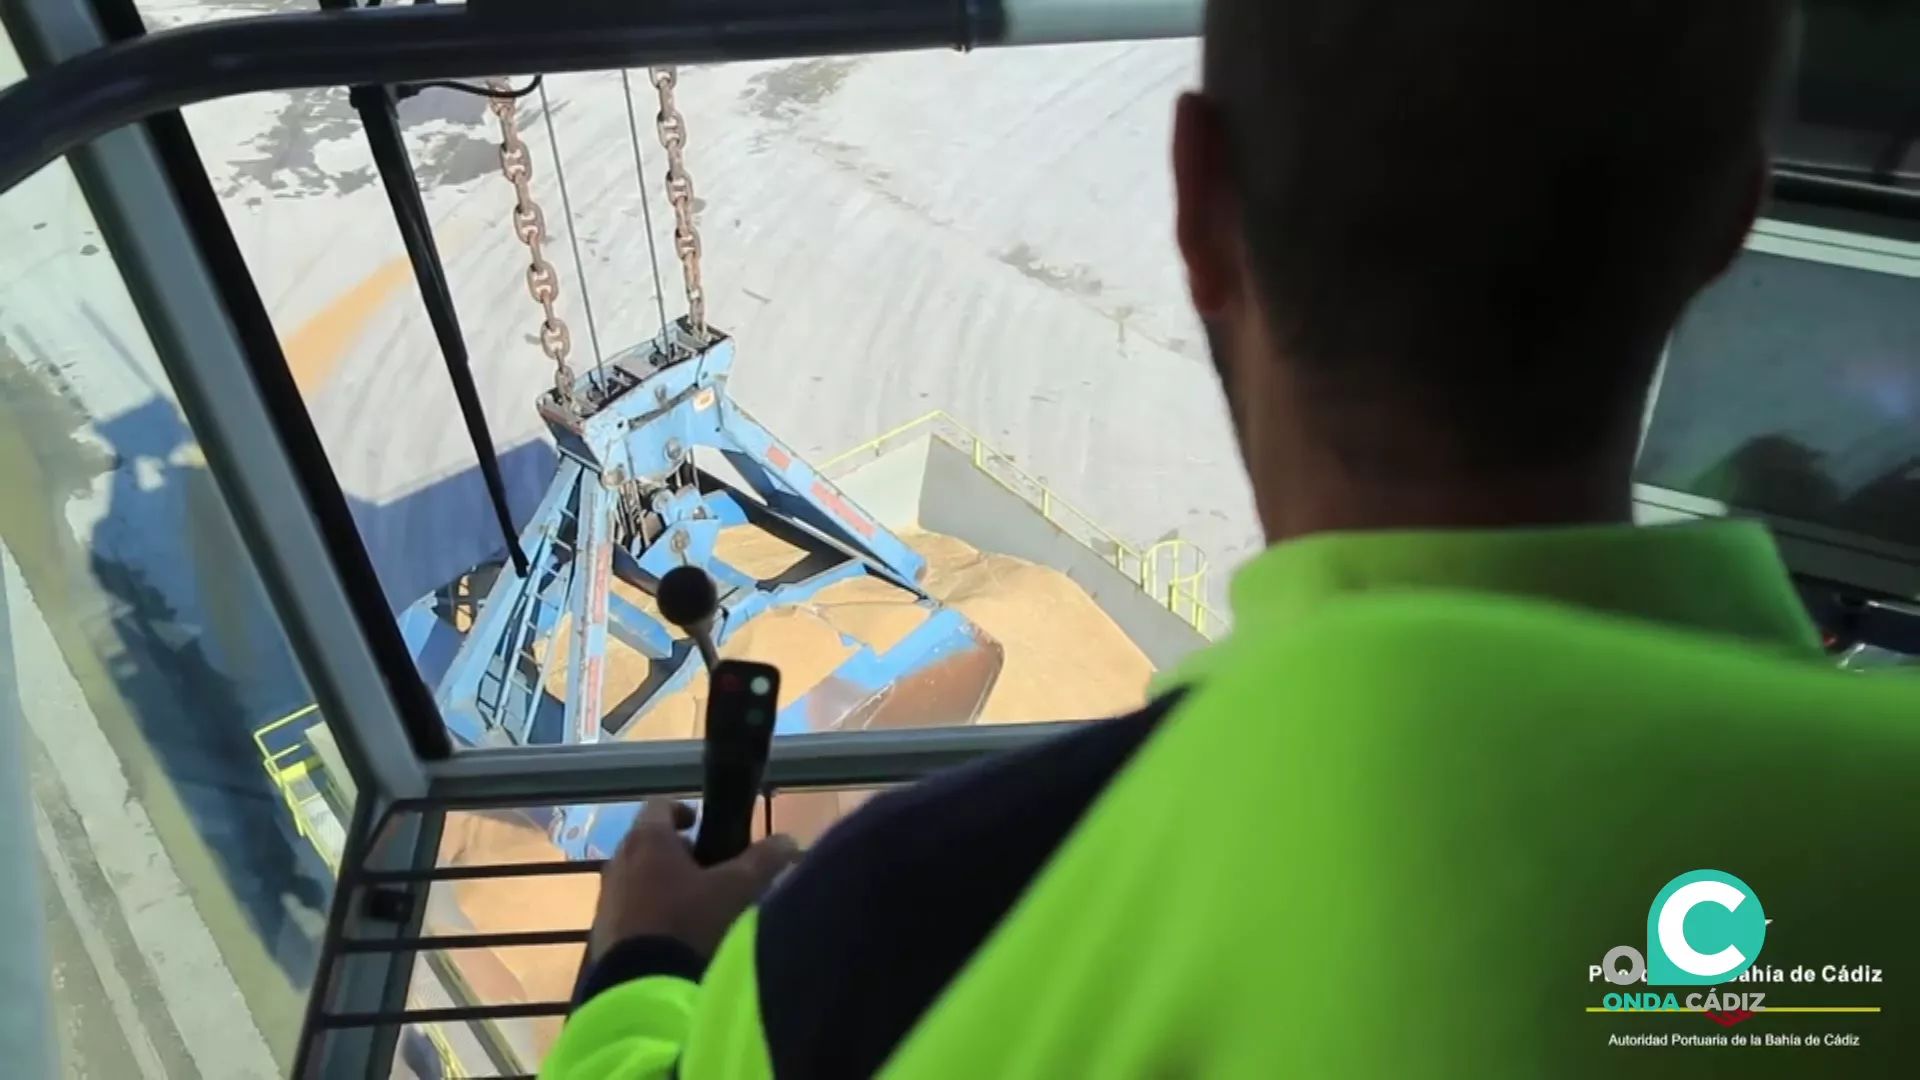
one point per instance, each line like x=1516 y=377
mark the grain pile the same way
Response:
x=1064 y=659
x=507 y=905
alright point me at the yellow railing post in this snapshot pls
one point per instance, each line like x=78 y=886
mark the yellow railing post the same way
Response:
x=1184 y=588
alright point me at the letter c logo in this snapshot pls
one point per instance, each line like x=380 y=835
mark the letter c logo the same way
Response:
x=1673 y=928
x=1705 y=927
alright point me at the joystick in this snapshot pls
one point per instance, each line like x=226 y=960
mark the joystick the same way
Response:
x=689 y=601
x=741 y=704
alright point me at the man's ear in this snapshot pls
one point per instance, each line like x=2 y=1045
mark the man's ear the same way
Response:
x=1204 y=210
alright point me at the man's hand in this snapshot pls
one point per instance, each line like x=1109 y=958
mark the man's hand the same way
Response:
x=652 y=887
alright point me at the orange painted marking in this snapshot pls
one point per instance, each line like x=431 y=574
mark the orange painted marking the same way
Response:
x=780 y=458
x=318 y=346
x=593 y=675
x=841 y=509
x=314 y=350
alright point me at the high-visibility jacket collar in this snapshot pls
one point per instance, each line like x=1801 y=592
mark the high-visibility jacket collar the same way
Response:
x=1719 y=577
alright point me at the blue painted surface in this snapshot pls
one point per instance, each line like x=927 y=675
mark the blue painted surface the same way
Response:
x=491 y=689
x=793 y=487
x=432 y=640
x=637 y=630
x=945 y=633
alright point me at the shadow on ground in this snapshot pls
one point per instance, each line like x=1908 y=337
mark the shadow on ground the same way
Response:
x=127 y=547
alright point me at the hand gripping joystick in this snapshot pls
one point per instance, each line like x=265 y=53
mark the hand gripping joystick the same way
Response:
x=741 y=704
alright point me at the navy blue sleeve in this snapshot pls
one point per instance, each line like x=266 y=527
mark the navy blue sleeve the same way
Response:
x=637 y=958
x=860 y=940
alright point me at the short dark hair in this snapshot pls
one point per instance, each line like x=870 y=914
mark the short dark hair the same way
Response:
x=1488 y=214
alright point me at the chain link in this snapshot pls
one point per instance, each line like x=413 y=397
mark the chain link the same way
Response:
x=686 y=235
x=530 y=225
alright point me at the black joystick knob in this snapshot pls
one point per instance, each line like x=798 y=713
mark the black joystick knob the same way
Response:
x=689 y=601
x=742 y=702
x=687 y=596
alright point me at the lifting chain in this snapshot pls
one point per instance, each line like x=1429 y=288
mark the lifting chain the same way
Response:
x=531 y=226
x=686 y=235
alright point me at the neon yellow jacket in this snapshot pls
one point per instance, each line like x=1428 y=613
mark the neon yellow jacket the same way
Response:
x=1386 y=830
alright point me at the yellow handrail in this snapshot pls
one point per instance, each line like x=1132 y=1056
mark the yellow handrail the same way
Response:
x=285 y=776
x=1173 y=572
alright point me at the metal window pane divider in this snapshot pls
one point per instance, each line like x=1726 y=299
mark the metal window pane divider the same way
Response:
x=365 y=46
x=160 y=262
x=371 y=982
x=626 y=771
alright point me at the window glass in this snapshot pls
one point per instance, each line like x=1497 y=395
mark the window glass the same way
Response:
x=891 y=283
x=1793 y=388
x=144 y=670
x=1851 y=112
x=893 y=277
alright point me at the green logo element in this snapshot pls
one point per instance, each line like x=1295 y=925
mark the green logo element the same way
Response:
x=1705 y=927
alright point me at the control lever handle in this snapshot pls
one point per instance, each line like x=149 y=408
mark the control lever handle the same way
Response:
x=689 y=601
x=742 y=700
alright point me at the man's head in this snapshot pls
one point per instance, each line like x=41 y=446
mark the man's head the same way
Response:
x=1438 y=244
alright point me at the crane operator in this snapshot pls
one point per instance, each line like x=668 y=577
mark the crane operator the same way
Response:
x=1437 y=246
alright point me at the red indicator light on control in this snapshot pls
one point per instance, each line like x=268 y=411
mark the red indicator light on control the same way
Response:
x=729 y=684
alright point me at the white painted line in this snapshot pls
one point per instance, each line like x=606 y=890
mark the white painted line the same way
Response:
x=119 y=994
